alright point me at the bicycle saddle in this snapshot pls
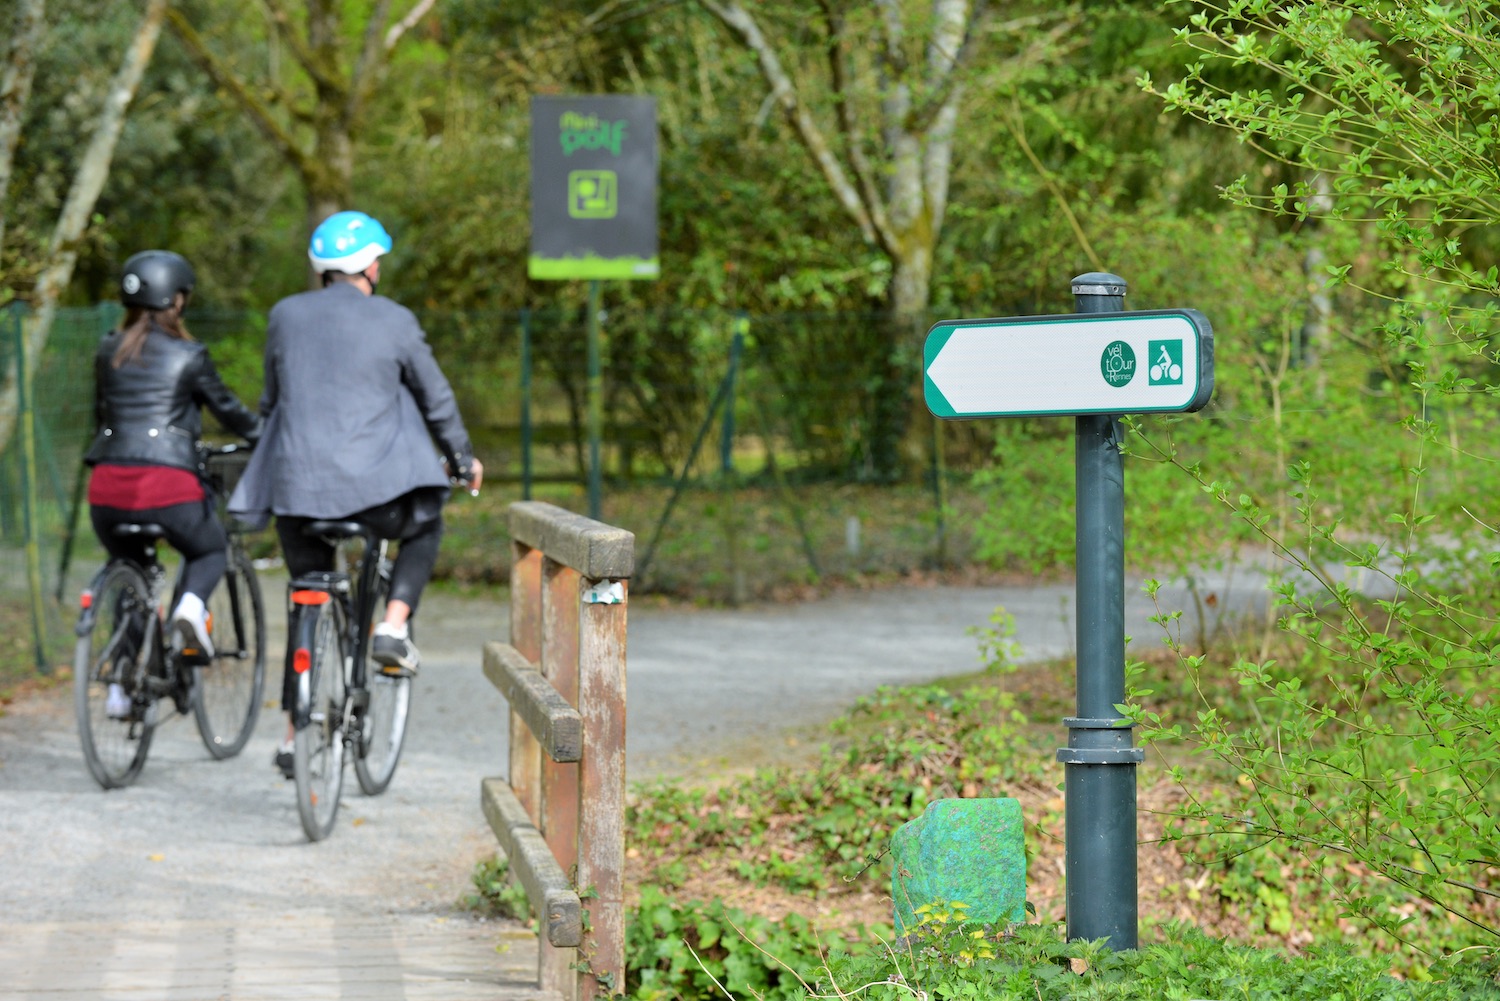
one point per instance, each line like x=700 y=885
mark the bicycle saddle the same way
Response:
x=337 y=529
x=148 y=529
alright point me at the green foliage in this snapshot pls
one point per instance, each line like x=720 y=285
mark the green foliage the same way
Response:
x=496 y=894
x=1034 y=964
x=1387 y=102
x=688 y=951
x=810 y=829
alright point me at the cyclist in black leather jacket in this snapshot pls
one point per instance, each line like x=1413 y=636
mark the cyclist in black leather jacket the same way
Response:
x=151 y=382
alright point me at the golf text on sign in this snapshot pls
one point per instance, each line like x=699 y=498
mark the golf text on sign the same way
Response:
x=593 y=188
x=1152 y=361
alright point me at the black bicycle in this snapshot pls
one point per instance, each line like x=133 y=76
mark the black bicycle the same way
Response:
x=124 y=665
x=344 y=707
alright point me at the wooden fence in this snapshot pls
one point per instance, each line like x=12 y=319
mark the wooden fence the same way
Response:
x=560 y=817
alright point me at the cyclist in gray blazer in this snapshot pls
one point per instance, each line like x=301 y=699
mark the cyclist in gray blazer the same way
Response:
x=354 y=403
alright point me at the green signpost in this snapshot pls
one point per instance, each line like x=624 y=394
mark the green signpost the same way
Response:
x=1095 y=365
x=593 y=211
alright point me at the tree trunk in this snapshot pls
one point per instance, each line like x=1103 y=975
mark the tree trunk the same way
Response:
x=15 y=90
x=82 y=195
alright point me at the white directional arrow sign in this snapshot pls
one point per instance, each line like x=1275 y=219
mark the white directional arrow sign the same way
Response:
x=1151 y=361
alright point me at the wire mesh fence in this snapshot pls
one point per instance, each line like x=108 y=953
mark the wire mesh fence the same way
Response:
x=694 y=404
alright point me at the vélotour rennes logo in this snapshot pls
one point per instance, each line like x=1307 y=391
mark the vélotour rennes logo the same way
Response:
x=589 y=132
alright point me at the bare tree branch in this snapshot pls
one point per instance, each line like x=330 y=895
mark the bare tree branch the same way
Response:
x=893 y=56
x=301 y=51
x=948 y=50
x=849 y=129
x=83 y=194
x=371 y=59
x=225 y=77
x=736 y=19
x=15 y=89
x=408 y=22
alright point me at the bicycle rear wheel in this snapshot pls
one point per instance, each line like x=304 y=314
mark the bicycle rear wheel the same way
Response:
x=318 y=746
x=227 y=692
x=384 y=726
x=114 y=645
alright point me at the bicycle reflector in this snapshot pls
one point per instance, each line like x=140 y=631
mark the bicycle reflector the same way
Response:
x=310 y=597
x=301 y=660
x=86 y=600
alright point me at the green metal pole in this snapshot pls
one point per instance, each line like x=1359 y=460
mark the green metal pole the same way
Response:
x=595 y=403
x=708 y=421
x=28 y=495
x=1100 y=761
x=526 y=404
x=738 y=592
x=75 y=507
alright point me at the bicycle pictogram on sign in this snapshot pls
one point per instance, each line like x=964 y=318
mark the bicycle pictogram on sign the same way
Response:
x=1166 y=363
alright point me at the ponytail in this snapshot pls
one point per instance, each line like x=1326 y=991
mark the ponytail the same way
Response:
x=139 y=322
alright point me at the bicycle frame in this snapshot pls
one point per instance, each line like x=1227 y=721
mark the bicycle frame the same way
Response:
x=356 y=602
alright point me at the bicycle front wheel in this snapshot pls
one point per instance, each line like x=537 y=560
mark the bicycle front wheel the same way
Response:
x=318 y=746
x=227 y=692
x=115 y=710
x=383 y=732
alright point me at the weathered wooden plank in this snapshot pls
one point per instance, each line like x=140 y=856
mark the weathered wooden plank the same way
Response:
x=550 y=718
x=601 y=828
x=561 y=587
x=557 y=905
x=594 y=549
x=525 y=762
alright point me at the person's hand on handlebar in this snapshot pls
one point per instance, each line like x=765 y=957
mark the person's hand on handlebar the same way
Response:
x=470 y=478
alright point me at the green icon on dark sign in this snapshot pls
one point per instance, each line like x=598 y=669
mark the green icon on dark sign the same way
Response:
x=593 y=194
x=1118 y=364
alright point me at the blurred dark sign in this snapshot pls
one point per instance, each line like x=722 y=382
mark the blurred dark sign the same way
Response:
x=593 y=187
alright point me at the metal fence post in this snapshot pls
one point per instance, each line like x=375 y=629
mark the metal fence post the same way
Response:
x=1100 y=761
x=526 y=404
x=26 y=427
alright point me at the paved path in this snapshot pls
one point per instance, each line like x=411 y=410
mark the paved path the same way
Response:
x=197 y=882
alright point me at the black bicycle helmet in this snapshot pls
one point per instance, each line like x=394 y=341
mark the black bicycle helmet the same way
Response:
x=152 y=277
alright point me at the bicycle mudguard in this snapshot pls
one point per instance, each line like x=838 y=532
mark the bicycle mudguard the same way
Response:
x=87 y=613
x=302 y=630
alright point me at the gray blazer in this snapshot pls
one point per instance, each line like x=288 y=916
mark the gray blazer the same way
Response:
x=353 y=403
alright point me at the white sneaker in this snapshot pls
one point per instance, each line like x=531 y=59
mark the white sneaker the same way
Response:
x=116 y=703
x=191 y=622
x=394 y=651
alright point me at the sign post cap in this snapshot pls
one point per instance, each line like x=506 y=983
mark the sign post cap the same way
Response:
x=1100 y=283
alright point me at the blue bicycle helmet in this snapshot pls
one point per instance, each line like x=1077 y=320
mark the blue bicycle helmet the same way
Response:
x=347 y=242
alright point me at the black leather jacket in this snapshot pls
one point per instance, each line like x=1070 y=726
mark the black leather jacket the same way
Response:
x=147 y=411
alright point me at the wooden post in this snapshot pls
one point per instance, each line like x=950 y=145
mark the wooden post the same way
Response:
x=601 y=863
x=560 y=805
x=563 y=675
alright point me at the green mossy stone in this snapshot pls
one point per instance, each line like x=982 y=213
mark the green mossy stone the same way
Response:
x=969 y=850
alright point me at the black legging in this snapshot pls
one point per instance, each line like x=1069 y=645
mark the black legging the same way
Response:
x=398 y=519
x=192 y=529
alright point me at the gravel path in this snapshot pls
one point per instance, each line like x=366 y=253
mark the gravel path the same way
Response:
x=196 y=840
